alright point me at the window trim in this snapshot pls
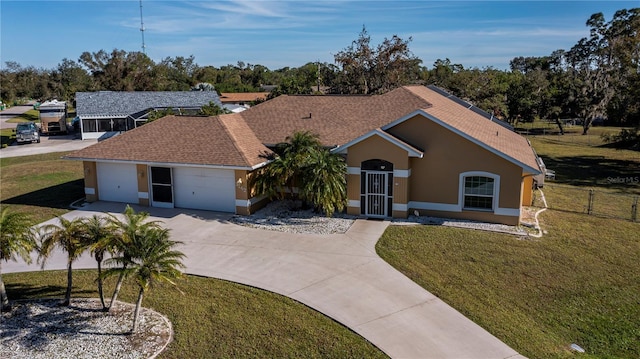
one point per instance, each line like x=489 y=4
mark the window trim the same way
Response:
x=496 y=191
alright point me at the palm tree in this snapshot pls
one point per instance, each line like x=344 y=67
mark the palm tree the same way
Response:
x=100 y=241
x=299 y=146
x=152 y=260
x=125 y=236
x=324 y=183
x=319 y=174
x=285 y=169
x=69 y=235
x=272 y=180
x=17 y=239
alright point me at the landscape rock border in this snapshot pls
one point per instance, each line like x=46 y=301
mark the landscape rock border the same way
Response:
x=41 y=328
x=289 y=216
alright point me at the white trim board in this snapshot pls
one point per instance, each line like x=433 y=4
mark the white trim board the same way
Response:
x=246 y=203
x=444 y=207
x=396 y=173
x=167 y=164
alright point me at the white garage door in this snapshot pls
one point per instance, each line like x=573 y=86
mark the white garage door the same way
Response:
x=117 y=182
x=201 y=188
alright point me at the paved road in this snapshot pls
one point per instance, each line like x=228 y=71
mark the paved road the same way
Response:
x=338 y=275
x=48 y=144
x=10 y=113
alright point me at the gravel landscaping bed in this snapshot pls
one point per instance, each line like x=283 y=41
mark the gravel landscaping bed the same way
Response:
x=44 y=329
x=288 y=216
x=461 y=223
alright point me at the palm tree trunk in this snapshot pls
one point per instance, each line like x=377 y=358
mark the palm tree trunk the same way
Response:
x=67 y=295
x=99 y=260
x=117 y=290
x=137 y=311
x=4 y=299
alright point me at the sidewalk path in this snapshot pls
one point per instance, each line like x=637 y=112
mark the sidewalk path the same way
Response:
x=338 y=275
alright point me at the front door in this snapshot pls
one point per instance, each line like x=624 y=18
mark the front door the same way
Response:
x=161 y=187
x=376 y=194
x=376 y=190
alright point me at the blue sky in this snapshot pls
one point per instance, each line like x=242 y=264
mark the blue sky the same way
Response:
x=291 y=33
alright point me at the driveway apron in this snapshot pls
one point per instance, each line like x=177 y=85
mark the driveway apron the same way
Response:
x=339 y=275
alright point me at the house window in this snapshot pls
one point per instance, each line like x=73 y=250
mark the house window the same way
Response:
x=104 y=125
x=478 y=192
x=119 y=124
x=89 y=126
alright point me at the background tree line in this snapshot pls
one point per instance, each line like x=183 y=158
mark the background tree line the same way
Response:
x=597 y=77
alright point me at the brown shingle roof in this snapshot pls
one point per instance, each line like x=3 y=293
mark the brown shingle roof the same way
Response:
x=181 y=139
x=336 y=119
x=240 y=139
x=477 y=127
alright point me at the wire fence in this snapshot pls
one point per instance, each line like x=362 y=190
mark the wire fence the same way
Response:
x=592 y=202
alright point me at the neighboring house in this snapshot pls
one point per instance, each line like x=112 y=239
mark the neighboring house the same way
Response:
x=414 y=149
x=104 y=113
x=241 y=101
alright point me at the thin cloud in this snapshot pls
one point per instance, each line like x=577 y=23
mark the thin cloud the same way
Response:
x=243 y=7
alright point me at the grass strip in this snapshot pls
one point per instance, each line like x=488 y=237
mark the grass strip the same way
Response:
x=218 y=319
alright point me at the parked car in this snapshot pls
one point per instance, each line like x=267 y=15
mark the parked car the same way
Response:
x=27 y=132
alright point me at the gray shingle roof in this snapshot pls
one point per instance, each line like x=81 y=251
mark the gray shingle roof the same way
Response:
x=118 y=103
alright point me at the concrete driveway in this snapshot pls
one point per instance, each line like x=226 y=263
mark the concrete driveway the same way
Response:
x=338 y=275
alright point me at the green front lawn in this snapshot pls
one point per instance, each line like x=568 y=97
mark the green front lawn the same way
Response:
x=42 y=185
x=579 y=283
x=218 y=319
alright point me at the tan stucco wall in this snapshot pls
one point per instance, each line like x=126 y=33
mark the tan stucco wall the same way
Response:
x=371 y=148
x=400 y=189
x=353 y=187
x=90 y=180
x=242 y=184
x=245 y=191
x=242 y=191
x=354 y=211
x=375 y=147
x=143 y=184
x=435 y=177
x=353 y=193
x=143 y=178
x=527 y=191
x=258 y=205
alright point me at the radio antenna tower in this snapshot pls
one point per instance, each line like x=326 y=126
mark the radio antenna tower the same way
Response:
x=144 y=47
